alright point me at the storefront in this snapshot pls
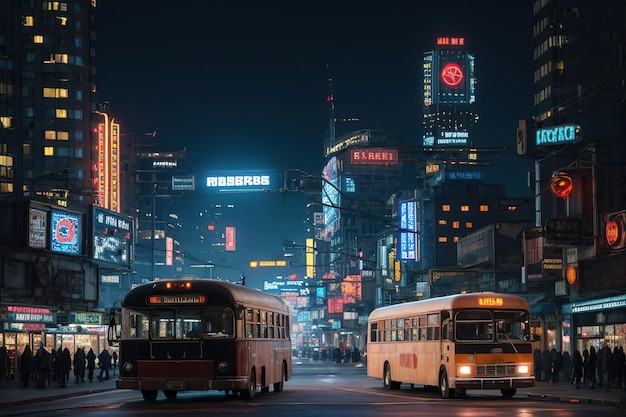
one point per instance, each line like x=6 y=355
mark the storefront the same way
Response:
x=20 y=326
x=597 y=321
x=78 y=329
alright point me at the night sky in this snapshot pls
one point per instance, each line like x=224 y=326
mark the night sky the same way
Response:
x=243 y=84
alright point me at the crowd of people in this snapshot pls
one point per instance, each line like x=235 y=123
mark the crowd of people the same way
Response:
x=42 y=367
x=602 y=368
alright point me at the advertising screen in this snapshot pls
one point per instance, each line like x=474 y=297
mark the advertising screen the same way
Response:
x=112 y=237
x=37 y=225
x=409 y=226
x=66 y=232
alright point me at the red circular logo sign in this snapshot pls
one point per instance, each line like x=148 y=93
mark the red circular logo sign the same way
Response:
x=65 y=231
x=612 y=232
x=452 y=75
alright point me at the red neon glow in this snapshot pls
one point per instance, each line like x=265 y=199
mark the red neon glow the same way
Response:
x=231 y=243
x=452 y=75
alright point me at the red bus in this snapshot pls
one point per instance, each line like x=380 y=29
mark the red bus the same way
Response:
x=205 y=334
x=456 y=343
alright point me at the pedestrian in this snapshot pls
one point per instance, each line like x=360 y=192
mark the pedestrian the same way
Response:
x=556 y=365
x=58 y=366
x=577 y=368
x=567 y=366
x=114 y=356
x=42 y=366
x=546 y=365
x=104 y=359
x=91 y=364
x=3 y=362
x=585 y=362
x=26 y=365
x=618 y=366
x=79 y=365
x=603 y=365
x=66 y=366
x=590 y=367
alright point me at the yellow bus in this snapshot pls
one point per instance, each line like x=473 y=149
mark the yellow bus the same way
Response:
x=456 y=343
x=184 y=335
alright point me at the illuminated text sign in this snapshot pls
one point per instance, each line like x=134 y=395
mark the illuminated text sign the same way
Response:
x=373 y=156
x=177 y=299
x=559 y=134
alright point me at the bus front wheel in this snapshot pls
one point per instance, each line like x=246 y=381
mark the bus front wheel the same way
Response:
x=444 y=385
x=248 y=394
x=508 y=393
x=149 y=395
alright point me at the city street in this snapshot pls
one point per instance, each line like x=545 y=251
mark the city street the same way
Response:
x=316 y=389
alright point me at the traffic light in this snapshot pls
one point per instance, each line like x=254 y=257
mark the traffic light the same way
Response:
x=561 y=184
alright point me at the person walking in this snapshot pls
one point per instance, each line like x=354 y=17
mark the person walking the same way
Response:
x=42 y=366
x=556 y=365
x=577 y=368
x=3 y=362
x=79 y=365
x=567 y=367
x=618 y=367
x=26 y=365
x=590 y=368
x=91 y=364
x=65 y=360
x=585 y=362
x=104 y=359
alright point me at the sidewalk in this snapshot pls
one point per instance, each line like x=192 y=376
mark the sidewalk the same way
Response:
x=12 y=393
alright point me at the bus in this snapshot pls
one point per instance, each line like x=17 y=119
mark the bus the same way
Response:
x=478 y=341
x=202 y=334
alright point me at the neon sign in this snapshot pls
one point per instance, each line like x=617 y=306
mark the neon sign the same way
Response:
x=452 y=75
x=558 y=134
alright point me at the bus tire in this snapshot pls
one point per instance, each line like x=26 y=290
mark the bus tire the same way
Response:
x=278 y=386
x=149 y=395
x=444 y=385
x=388 y=383
x=169 y=394
x=508 y=393
x=248 y=394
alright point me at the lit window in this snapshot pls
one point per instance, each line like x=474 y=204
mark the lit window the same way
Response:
x=26 y=149
x=63 y=135
x=62 y=20
x=484 y=207
x=50 y=135
x=443 y=221
x=469 y=225
x=28 y=21
x=48 y=151
x=38 y=39
x=456 y=224
x=464 y=208
x=445 y=207
x=456 y=239
x=6 y=121
x=61 y=113
x=6 y=88
x=443 y=239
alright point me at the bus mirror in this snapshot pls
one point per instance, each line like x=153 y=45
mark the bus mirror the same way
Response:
x=114 y=332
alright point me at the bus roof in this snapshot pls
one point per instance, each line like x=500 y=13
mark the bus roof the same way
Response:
x=217 y=292
x=450 y=302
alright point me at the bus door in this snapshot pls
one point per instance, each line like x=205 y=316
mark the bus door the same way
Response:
x=447 y=348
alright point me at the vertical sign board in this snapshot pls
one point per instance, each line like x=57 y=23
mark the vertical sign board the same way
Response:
x=169 y=251
x=408 y=231
x=37 y=225
x=231 y=242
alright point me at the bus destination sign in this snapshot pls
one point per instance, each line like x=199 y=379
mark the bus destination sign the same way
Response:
x=490 y=302
x=193 y=299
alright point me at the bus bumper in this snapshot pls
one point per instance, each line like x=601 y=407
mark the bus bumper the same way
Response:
x=181 y=384
x=493 y=383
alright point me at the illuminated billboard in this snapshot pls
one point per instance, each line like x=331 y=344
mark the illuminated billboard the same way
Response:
x=330 y=198
x=230 y=236
x=112 y=237
x=37 y=227
x=240 y=182
x=374 y=156
x=409 y=228
x=66 y=232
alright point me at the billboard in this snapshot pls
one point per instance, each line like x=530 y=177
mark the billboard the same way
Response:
x=409 y=228
x=37 y=228
x=330 y=198
x=231 y=240
x=374 y=156
x=244 y=181
x=112 y=237
x=66 y=232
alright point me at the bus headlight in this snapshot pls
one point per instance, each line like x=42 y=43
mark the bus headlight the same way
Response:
x=222 y=367
x=128 y=368
x=522 y=369
x=465 y=370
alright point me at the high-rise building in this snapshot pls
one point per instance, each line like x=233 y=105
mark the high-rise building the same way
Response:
x=47 y=95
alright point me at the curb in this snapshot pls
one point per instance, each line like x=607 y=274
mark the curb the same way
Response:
x=619 y=404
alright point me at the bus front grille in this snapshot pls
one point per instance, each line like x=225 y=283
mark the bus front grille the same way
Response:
x=495 y=370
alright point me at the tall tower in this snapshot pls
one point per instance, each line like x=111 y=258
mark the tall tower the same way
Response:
x=47 y=63
x=449 y=93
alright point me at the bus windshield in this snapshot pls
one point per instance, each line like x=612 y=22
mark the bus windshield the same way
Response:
x=510 y=325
